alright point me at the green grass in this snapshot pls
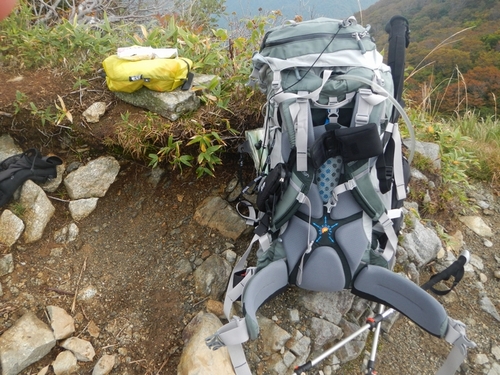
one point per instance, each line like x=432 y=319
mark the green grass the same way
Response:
x=469 y=142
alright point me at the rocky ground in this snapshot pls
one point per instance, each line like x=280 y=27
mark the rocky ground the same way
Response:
x=136 y=298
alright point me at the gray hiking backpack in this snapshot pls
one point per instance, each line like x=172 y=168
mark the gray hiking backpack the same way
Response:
x=331 y=181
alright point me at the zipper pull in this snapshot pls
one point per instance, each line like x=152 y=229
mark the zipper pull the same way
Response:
x=360 y=43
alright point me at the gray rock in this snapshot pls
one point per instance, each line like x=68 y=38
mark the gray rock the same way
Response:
x=422 y=243
x=156 y=175
x=477 y=262
x=6 y=264
x=197 y=358
x=167 y=104
x=182 y=268
x=230 y=256
x=417 y=175
x=353 y=348
x=323 y=332
x=211 y=277
x=65 y=363
x=63 y=325
x=93 y=113
x=489 y=307
x=294 y=315
x=8 y=147
x=330 y=305
x=11 y=228
x=52 y=184
x=477 y=225
x=495 y=350
x=104 y=365
x=25 y=343
x=276 y=363
x=81 y=208
x=82 y=349
x=494 y=370
x=300 y=347
x=216 y=213
x=38 y=211
x=273 y=337
x=67 y=234
x=92 y=180
x=429 y=150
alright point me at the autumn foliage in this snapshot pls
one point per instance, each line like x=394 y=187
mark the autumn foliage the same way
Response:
x=454 y=56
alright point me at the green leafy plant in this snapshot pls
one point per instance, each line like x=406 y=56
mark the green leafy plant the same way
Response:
x=172 y=153
x=44 y=115
x=209 y=146
x=20 y=102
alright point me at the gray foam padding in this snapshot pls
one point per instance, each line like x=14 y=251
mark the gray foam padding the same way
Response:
x=323 y=271
x=382 y=285
x=295 y=240
x=264 y=285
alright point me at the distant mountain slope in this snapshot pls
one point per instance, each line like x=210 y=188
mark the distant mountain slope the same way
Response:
x=308 y=9
x=455 y=45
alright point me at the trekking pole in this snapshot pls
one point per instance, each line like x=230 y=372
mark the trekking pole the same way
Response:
x=399 y=39
x=370 y=367
x=370 y=324
x=454 y=270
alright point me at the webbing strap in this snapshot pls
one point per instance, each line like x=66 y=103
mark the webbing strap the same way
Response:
x=455 y=335
x=252 y=216
x=365 y=102
x=302 y=118
x=235 y=291
x=389 y=253
x=384 y=223
x=302 y=128
x=398 y=164
x=304 y=200
x=232 y=335
x=238 y=360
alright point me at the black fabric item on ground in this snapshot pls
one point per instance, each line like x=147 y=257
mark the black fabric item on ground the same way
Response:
x=30 y=165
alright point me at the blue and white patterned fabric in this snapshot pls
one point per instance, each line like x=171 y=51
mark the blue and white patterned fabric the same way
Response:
x=328 y=177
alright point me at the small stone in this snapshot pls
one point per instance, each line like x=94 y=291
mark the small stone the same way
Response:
x=495 y=350
x=488 y=243
x=481 y=359
x=93 y=113
x=104 y=365
x=483 y=278
x=63 y=325
x=6 y=264
x=476 y=262
x=65 y=363
x=477 y=225
x=441 y=253
x=215 y=307
x=294 y=315
x=82 y=349
x=93 y=329
x=497 y=274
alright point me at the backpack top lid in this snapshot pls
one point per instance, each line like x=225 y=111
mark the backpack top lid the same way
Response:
x=337 y=42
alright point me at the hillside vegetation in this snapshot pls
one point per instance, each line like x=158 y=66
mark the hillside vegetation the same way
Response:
x=454 y=54
x=452 y=85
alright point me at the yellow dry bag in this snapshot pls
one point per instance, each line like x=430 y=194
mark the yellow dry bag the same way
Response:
x=155 y=74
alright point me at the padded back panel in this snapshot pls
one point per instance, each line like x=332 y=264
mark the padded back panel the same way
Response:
x=323 y=271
